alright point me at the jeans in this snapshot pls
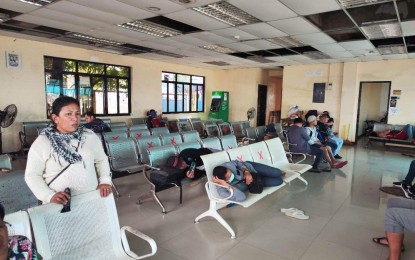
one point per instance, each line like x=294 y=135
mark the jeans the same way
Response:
x=338 y=141
x=411 y=173
x=319 y=155
x=270 y=176
x=400 y=215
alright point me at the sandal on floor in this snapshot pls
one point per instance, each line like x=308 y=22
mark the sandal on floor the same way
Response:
x=378 y=240
x=291 y=210
x=297 y=215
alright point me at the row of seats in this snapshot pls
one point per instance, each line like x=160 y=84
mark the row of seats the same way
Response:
x=125 y=154
x=270 y=152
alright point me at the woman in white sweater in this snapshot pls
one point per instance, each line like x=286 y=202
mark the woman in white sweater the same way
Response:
x=67 y=144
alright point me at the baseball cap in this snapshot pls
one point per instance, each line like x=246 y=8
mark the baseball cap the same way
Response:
x=311 y=119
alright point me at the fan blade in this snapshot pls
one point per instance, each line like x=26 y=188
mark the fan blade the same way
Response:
x=9 y=115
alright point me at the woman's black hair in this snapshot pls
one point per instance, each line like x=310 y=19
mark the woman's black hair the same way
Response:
x=61 y=102
x=220 y=172
x=2 y=212
x=298 y=120
x=90 y=113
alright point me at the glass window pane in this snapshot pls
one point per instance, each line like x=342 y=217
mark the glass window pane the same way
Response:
x=168 y=76
x=172 y=102
x=200 y=99
x=186 y=98
x=163 y=88
x=197 y=79
x=164 y=103
x=98 y=88
x=53 y=91
x=123 y=92
x=68 y=81
x=60 y=64
x=85 y=94
x=117 y=71
x=90 y=68
x=183 y=78
x=179 y=98
x=112 y=98
x=194 y=98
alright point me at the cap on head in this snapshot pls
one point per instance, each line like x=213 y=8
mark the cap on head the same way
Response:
x=311 y=119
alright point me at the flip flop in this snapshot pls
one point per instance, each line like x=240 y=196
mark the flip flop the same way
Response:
x=297 y=215
x=291 y=210
x=378 y=240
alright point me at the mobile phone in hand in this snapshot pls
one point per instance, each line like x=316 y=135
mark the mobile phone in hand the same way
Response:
x=67 y=206
x=192 y=166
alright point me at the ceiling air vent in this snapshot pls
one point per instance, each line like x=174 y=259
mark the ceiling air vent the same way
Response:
x=391 y=49
x=379 y=30
x=218 y=63
x=355 y=3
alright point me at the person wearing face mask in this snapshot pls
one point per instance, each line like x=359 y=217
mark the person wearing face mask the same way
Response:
x=67 y=155
x=236 y=175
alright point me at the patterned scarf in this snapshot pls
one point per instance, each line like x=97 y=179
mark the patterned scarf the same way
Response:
x=61 y=143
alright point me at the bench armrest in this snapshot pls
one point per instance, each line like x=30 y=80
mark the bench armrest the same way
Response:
x=221 y=200
x=140 y=235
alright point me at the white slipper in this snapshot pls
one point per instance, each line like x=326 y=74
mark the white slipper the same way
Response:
x=291 y=210
x=297 y=215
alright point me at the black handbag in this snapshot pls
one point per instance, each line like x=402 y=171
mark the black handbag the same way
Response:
x=256 y=186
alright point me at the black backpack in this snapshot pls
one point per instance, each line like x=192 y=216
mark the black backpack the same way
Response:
x=170 y=173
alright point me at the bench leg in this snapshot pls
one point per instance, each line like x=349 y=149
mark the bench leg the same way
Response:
x=303 y=180
x=149 y=194
x=212 y=212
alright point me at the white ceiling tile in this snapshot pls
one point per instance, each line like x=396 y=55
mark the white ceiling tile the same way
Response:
x=395 y=57
x=262 y=44
x=16 y=6
x=212 y=38
x=262 y=30
x=314 y=38
x=104 y=34
x=299 y=58
x=51 y=23
x=296 y=25
x=239 y=46
x=172 y=43
x=357 y=45
x=118 y=8
x=340 y=54
x=154 y=45
x=265 y=10
x=67 y=18
x=371 y=58
x=328 y=61
x=166 y=7
x=372 y=52
x=189 y=40
x=408 y=28
x=311 y=7
x=86 y=12
x=232 y=32
x=330 y=47
x=197 y=19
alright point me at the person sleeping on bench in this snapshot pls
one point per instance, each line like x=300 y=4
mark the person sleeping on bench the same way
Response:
x=236 y=175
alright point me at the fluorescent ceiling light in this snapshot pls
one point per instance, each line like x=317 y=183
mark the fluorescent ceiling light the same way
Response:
x=227 y=13
x=316 y=55
x=218 y=48
x=382 y=30
x=93 y=39
x=286 y=42
x=37 y=2
x=150 y=28
x=392 y=49
x=355 y=3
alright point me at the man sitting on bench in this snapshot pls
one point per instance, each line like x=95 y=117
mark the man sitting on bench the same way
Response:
x=236 y=175
x=95 y=124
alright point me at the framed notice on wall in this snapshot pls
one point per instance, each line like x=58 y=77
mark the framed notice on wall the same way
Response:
x=319 y=92
x=13 y=60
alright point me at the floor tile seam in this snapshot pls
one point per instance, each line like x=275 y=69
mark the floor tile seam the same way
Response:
x=262 y=249
x=169 y=251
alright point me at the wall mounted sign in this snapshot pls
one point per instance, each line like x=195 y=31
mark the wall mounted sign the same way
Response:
x=319 y=92
x=397 y=92
x=13 y=60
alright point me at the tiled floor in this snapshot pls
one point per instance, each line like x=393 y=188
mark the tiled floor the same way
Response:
x=345 y=207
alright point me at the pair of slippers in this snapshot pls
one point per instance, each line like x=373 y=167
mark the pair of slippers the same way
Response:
x=295 y=213
x=383 y=241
